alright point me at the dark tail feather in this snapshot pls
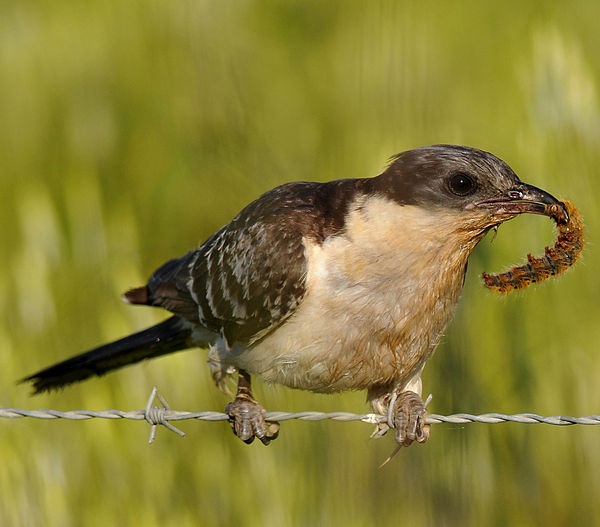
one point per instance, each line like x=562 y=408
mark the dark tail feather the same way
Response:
x=167 y=337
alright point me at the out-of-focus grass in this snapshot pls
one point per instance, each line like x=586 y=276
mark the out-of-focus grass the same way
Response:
x=132 y=130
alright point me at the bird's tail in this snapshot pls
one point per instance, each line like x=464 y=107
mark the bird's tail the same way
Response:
x=172 y=335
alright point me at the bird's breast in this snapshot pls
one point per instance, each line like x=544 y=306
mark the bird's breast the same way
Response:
x=378 y=298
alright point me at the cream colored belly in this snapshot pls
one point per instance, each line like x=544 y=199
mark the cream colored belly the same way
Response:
x=322 y=349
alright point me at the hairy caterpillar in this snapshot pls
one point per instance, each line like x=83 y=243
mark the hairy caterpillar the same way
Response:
x=556 y=260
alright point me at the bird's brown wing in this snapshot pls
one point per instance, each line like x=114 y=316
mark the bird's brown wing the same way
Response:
x=250 y=276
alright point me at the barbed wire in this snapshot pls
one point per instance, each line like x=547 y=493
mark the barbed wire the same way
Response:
x=162 y=415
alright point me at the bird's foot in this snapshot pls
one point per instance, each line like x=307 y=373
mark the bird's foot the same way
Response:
x=409 y=417
x=406 y=414
x=247 y=417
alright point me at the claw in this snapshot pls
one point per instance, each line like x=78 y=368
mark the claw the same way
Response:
x=407 y=414
x=409 y=419
x=246 y=416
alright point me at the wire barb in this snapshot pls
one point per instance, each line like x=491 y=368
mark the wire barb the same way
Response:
x=157 y=415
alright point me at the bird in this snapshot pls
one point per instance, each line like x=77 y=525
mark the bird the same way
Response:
x=327 y=286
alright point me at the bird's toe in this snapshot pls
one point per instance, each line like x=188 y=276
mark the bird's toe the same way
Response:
x=409 y=418
x=246 y=418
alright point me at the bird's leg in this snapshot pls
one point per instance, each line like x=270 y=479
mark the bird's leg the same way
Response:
x=246 y=416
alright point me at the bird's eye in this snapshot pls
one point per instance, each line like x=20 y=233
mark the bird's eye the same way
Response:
x=462 y=184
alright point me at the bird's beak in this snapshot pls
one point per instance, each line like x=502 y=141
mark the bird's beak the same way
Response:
x=521 y=199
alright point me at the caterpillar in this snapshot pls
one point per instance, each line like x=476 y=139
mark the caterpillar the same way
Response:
x=556 y=260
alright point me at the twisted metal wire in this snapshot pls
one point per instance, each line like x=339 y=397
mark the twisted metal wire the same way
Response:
x=177 y=415
x=162 y=415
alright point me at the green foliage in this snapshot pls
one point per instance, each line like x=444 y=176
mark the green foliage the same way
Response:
x=132 y=130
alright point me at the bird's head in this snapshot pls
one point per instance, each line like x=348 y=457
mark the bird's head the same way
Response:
x=482 y=188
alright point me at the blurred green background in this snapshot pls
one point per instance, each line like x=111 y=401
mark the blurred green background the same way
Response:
x=132 y=130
